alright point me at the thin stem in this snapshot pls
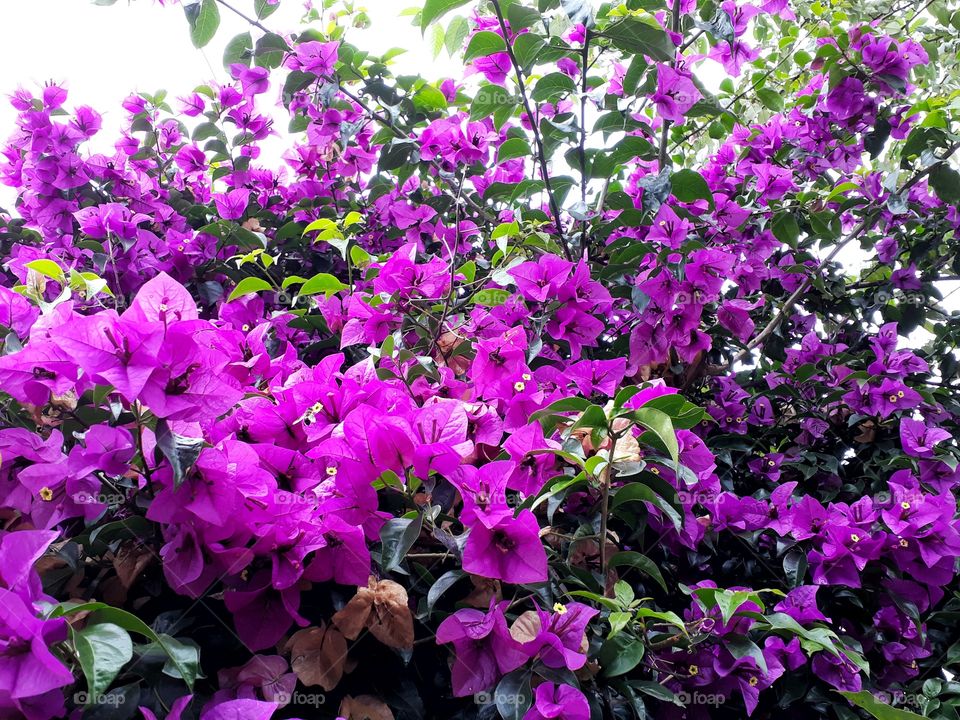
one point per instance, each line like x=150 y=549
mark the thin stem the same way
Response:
x=582 y=149
x=255 y=23
x=862 y=227
x=605 y=481
x=665 y=131
x=535 y=124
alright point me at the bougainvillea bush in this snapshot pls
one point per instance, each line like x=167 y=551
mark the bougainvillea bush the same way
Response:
x=613 y=379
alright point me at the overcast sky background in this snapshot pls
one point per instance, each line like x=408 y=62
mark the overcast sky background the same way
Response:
x=105 y=53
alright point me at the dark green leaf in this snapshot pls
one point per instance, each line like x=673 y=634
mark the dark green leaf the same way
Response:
x=398 y=536
x=553 y=86
x=181 y=452
x=482 y=44
x=204 y=24
x=238 y=50
x=945 y=182
x=635 y=37
x=689 y=186
x=435 y=9
x=103 y=649
x=641 y=563
x=513 y=695
x=620 y=654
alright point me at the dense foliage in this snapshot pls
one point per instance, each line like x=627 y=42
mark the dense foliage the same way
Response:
x=537 y=393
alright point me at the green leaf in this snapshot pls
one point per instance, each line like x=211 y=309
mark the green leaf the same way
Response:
x=945 y=182
x=638 y=492
x=785 y=228
x=689 y=186
x=641 y=563
x=238 y=50
x=527 y=47
x=618 y=621
x=180 y=451
x=185 y=658
x=661 y=427
x=482 y=44
x=620 y=654
x=322 y=283
x=553 y=86
x=729 y=601
x=103 y=649
x=264 y=9
x=248 y=286
x=429 y=99
x=489 y=100
x=513 y=695
x=564 y=405
x=513 y=148
x=492 y=297
x=631 y=78
x=204 y=25
x=880 y=710
x=636 y=37
x=771 y=99
x=435 y=9
x=521 y=17
x=398 y=536
x=270 y=50
x=48 y=268
x=457 y=31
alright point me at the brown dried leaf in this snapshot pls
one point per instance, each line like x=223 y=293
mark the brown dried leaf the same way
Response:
x=483 y=590
x=353 y=617
x=318 y=655
x=527 y=627
x=391 y=621
x=868 y=432
x=382 y=607
x=365 y=707
x=130 y=561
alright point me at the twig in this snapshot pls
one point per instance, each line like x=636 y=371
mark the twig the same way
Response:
x=255 y=23
x=534 y=123
x=665 y=130
x=863 y=226
x=582 y=149
x=606 y=480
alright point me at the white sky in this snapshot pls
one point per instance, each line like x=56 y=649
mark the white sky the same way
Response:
x=105 y=53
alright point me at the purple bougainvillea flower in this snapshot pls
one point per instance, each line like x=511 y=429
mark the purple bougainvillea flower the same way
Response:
x=176 y=709
x=483 y=648
x=675 y=94
x=918 y=439
x=314 y=57
x=27 y=667
x=510 y=551
x=558 y=702
x=239 y=710
x=233 y=204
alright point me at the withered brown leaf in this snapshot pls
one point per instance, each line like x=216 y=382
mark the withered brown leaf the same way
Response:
x=318 y=655
x=382 y=607
x=365 y=707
